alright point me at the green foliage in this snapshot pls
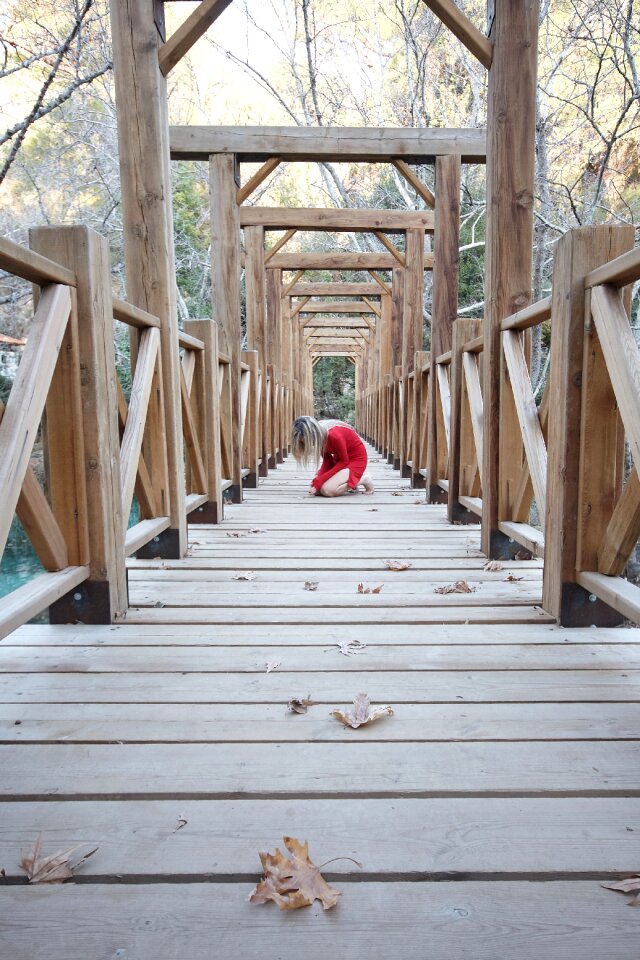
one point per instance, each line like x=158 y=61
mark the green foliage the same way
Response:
x=191 y=233
x=334 y=389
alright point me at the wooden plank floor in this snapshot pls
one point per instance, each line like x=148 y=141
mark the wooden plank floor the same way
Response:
x=485 y=812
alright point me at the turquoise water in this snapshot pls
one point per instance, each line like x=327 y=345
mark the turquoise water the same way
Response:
x=19 y=563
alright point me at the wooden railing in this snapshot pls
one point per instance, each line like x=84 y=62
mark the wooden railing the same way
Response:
x=563 y=492
x=101 y=450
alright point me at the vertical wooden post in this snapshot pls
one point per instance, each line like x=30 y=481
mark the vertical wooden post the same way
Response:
x=252 y=441
x=577 y=253
x=463 y=330
x=100 y=598
x=509 y=242
x=143 y=139
x=397 y=324
x=274 y=323
x=256 y=323
x=446 y=262
x=420 y=412
x=225 y=284
x=413 y=321
x=212 y=510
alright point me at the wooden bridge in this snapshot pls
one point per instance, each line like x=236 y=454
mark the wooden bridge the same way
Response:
x=149 y=718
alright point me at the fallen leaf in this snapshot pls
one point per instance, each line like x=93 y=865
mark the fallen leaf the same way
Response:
x=629 y=885
x=492 y=565
x=362 y=712
x=234 y=533
x=159 y=603
x=294 y=882
x=182 y=822
x=523 y=555
x=311 y=584
x=349 y=647
x=460 y=586
x=299 y=704
x=55 y=868
x=363 y=589
x=247 y=575
x=257 y=530
x=397 y=564
x=512 y=579
x=372 y=510
x=396 y=493
x=420 y=502
x=271 y=665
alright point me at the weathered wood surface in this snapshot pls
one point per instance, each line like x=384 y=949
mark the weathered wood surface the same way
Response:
x=509 y=767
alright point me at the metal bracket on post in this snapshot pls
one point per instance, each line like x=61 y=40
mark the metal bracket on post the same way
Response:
x=504 y=548
x=582 y=609
x=166 y=546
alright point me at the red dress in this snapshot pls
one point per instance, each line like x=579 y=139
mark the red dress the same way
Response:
x=343 y=449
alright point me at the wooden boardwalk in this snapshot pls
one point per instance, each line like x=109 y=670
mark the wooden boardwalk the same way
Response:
x=485 y=811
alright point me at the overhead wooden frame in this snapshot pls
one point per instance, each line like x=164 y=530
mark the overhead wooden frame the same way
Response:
x=194 y=27
x=460 y=25
x=339 y=220
x=342 y=261
x=348 y=144
x=335 y=290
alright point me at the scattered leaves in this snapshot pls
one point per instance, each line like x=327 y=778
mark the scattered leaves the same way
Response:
x=629 y=885
x=234 y=533
x=492 y=565
x=311 y=584
x=246 y=575
x=182 y=822
x=363 y=589
x=294 y=882
x=512 y=579
x=523 y=555
x=396 y=493
x=299 y=704
x=272 y=665
x=362 y=712
x=257 y=530
x=349 y=647
x=460 y=586
x=56 y=868
x=397 y=564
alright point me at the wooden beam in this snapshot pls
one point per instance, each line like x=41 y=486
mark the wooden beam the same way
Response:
x=298 y=307
x=466 y=32
x=336 y=306
x=359 y=322
x=335 y=290
x=340 y=261
x=393 y=250
x=195 y=26
x=22 y=262
x=286 y=290
x=340 y=220
x=420 y=188
x=374 y=308
x=279 y=245
x=366 y=144
x=259 y=177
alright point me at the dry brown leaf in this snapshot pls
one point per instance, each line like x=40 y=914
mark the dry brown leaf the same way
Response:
x=293 y=882
x=492 y=565
x=420 y=502
x=396 y=493
x=299 y=704
x=234 y=533
x=182 y=822
x=272 y=665
x=629 y=885
x=55 y=868
x=362 y=712
x=349 y=647
x=372 y=510
x=523 y=555
x=460 y=586
x=257 y=530
x=247 y=575
x=311 y=584
x=397 y=564
x=512 y=579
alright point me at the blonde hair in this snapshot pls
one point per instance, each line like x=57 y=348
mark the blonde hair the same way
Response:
x=308 y=437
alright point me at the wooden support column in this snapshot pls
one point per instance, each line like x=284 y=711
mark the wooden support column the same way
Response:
x=397 y=323
x=572 y=356
x=274 y=323
x=420 y=416
x=252 y=440
x=104 y=594
x=446 y=263
x=256 y=323
x=461 y=449
x=225 y=289
x=413 y=320
x=509 y=241
x=212 y=510
x=386 y=368
x=145 y=176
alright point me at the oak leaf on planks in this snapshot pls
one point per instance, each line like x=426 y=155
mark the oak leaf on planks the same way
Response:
x=363 y=589
x=311 y=585
x=362 y=712
x=630 y=885
x=397 y=564
x=247 y=575
x=293 y=882
x=492 y=565
x=299 y=704
x=460 y=586
x=55 y=868
x=349 y=647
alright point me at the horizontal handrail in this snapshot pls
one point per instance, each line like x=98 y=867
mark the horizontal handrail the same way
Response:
x=188 y=342
x=444 y=358
x=473 y=346
x=22 y=262
x=529 y=316
x=133 y=316
x=619 y=272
